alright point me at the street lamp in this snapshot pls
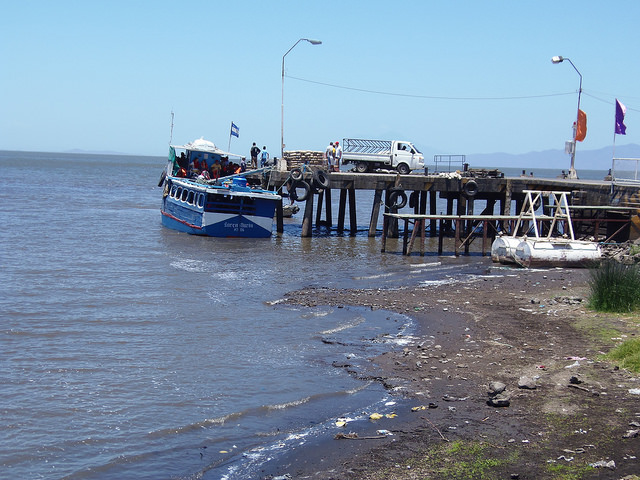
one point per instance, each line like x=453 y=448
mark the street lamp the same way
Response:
x=312 y=42
x=572 y=170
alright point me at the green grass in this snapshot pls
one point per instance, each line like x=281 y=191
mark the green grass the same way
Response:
x=615 y=288
x=458 y=460
x=568 y=471
x=627 y=355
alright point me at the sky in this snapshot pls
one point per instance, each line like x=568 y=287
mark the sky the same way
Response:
x=463 y=77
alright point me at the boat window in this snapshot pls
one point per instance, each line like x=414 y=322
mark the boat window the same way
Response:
x=190 y=197
x=185 y=192
x=173 y=191
x=200 y=200
x=178 y=193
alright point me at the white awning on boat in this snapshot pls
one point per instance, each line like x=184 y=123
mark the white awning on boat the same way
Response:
x=202 y=145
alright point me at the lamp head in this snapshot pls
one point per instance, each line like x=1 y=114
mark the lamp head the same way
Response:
x=313 y=42
x=557 y=59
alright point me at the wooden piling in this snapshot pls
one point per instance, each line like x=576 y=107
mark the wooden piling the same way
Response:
x=375 y=212
x=342 y=205
x=353 y=224
x=307 y=220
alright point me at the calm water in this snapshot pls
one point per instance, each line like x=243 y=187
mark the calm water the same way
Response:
x=133 y=351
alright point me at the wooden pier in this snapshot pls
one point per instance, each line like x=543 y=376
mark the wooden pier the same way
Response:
x=601 y=209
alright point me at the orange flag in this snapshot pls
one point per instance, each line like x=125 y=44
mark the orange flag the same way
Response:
x=581 y=131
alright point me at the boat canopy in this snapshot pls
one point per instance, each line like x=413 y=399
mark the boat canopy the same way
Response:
x=202 y=145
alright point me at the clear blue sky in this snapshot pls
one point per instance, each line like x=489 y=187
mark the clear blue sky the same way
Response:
x=451 y=76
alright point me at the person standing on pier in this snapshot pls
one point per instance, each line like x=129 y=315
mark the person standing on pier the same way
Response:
x=338 y=157
x=255 y=150
x=329 y=156
x=264 y=158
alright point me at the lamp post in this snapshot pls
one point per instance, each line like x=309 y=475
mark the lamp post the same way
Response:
x=572 y=170
x=312 y=42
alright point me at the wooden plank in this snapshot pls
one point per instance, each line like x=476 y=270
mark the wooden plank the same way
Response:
x=319 y=209
x=279 y=217
x=353 y=224
x=307 y=220
x=342 y=205
x=375 y=212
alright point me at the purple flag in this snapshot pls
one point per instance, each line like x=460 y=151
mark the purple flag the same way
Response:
x=621 y=129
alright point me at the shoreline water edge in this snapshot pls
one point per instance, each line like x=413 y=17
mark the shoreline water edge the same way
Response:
x=562 y=408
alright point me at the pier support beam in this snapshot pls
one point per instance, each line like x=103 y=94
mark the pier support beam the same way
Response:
x=392 y=223
x=326 y=196
x=353 y=224
x=279 y=217
x=375 y=212
x=307 y=220
x=342 y=206
x=432 y=210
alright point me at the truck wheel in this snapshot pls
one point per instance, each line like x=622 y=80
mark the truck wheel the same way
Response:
x=362 y=167
x=403 y=169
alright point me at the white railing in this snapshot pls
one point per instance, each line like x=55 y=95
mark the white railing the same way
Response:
x=625 y=171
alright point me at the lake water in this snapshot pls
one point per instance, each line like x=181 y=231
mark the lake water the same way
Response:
x=133 y=351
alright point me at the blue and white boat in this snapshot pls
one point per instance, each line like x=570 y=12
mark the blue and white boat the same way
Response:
x=194 y=203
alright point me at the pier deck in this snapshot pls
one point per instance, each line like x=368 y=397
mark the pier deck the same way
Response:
x=602 y=204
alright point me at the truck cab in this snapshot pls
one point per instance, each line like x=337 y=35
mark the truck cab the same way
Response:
x=368 y=155
x=406 y=157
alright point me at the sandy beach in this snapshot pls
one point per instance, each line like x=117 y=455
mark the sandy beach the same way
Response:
x=565 y=412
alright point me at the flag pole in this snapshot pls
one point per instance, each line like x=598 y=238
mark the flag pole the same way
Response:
x=230 y=131
x=171 y=134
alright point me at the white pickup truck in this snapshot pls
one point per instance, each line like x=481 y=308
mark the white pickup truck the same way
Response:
x=368 y=155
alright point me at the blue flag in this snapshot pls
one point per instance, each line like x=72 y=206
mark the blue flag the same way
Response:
x=235 y=131
x=621 y=128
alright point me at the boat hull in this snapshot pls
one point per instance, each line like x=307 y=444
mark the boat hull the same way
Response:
x=533 y=253
x=503 y=249
x=218 y=212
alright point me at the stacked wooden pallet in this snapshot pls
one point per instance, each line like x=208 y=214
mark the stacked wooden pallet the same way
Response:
x=297 y=158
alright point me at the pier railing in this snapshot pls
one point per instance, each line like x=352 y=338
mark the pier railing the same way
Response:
x=624 y=171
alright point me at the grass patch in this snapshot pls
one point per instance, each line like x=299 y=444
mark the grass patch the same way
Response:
x=627 y=355
x=568 y=471
x=614 y=287
x=458 y=460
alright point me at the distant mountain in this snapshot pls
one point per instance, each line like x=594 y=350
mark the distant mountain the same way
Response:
x=586 y=159
x=94 y=152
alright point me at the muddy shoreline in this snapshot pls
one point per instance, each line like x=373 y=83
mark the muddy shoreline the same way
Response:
x=565 y=408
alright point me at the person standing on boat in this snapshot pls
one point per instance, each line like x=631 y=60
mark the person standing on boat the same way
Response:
x=243 y=164
x=329 y=156
x=254 y=155
x=215 y=170
x=264 y=157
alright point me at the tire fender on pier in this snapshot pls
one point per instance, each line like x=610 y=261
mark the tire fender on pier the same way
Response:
x=296 y=174
x=397 y=199
x=320 y=179
x=470 y=188
x=163 y=175
x=306 y=190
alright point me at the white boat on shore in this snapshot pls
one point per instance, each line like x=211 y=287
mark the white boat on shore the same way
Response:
x=556 y=252
x=545 y=251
